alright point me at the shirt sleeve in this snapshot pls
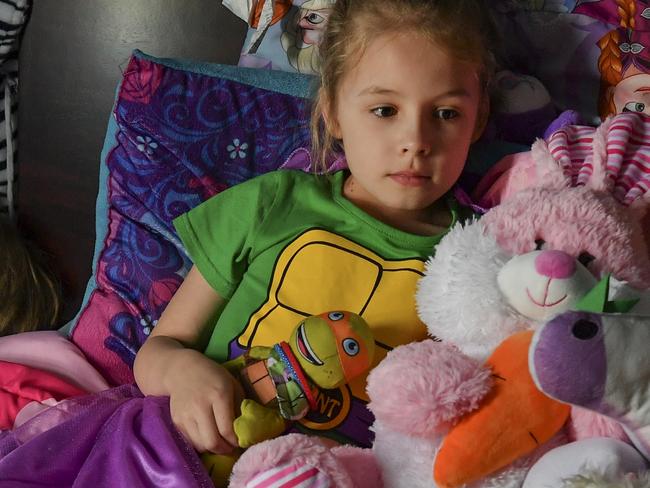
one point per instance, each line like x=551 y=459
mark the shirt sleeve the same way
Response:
x=219 y=233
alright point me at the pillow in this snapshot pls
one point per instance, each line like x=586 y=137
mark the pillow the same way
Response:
x=179 y=133
x=283 y=34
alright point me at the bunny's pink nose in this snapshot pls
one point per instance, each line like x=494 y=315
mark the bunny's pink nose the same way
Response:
x=555 y=264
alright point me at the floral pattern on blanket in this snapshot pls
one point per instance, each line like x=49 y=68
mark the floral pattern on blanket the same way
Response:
x=176 y=135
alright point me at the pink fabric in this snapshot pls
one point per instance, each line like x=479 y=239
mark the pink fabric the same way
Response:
x=439 y=374
x=264 y=458
x=513 y=173
x=361 y=465
x=22 y=385
x=620 y=148
x=51 y=352
x=289 y=476
x=585 y=424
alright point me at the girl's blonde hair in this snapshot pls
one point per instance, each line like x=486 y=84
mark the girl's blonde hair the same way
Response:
x=30 y=296
x=463 y=27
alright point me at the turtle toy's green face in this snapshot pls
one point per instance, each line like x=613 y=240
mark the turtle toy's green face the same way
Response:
x=333 y=348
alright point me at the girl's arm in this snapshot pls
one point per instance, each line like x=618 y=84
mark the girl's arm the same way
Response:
x=203 y=395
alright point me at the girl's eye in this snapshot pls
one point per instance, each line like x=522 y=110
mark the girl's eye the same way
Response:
x=634 y=107
x=446 y=113
x=384 y=111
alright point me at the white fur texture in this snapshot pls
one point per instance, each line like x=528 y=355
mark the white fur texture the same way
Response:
x=589 y=480
x=535 y=294
x=406 y=461
x=608 y=458
x=474 y=313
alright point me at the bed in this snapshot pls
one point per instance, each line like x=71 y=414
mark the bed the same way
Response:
x=79 y=73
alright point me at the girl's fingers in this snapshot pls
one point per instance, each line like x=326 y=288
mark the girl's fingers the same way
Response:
x=238 y=395
x=190 y=431
x=209 y=434
x=224 y=415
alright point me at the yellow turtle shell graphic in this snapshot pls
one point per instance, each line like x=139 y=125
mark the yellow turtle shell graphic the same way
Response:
x=321 y=271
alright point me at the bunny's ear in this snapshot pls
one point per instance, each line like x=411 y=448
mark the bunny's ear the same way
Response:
x=549 y=170
x=621 y=160
x=565 y=160
x=614 y=158
x=599 y=179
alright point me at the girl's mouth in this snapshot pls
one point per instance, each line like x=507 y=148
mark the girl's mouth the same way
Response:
x=410 y=179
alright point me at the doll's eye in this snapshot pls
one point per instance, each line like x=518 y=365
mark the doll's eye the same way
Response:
x=384 y=111
x=335 y=315
x=585 y=258
x=539 y=244
x=351 y=347
x=634 y=107
x=314 y=18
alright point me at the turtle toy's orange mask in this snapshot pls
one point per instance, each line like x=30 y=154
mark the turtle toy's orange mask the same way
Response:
x=333 y=348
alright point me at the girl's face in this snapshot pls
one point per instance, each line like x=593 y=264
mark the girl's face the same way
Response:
x=406 y=113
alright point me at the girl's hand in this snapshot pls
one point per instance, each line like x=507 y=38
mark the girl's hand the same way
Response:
x=204 y=400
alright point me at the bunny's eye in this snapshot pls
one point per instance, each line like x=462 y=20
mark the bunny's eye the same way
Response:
x=585 y=258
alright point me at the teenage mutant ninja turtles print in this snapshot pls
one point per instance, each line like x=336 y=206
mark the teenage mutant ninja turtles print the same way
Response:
x=288 y=245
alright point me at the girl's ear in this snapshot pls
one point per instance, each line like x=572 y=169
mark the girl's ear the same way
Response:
x=481 y=117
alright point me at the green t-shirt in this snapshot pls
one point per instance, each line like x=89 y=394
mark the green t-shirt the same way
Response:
x=288 y=244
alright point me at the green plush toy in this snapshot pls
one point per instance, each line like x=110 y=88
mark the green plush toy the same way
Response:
x=324 y=351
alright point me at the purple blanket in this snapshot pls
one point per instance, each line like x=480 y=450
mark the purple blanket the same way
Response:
x=112 y=439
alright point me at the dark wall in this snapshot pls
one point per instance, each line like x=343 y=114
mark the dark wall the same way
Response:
x=71 y=59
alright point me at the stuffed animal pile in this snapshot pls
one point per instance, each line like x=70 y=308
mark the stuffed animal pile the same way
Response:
x=570 y=211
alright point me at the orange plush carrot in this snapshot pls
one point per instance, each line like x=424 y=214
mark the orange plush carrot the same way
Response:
x=513 y=420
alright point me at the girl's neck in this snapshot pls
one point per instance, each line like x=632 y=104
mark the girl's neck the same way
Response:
x=426 y=222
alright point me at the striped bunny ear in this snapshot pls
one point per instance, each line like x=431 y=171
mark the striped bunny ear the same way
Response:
x=570 y=149
x=613 y=158
x=622 y=162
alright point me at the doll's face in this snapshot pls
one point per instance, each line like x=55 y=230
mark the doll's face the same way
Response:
x=632 y=94
x=312 y=23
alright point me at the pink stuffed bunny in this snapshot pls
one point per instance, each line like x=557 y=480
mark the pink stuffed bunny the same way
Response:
x=571 y=211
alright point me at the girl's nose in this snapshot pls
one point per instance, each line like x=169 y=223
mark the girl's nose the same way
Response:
x=419 y=147
x=417 y=139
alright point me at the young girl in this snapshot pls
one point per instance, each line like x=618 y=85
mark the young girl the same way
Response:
x=403 y=94
x=29 y=291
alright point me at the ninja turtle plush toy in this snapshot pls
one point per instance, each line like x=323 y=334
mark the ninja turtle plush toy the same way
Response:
x=324 y=350
x=281 y=381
